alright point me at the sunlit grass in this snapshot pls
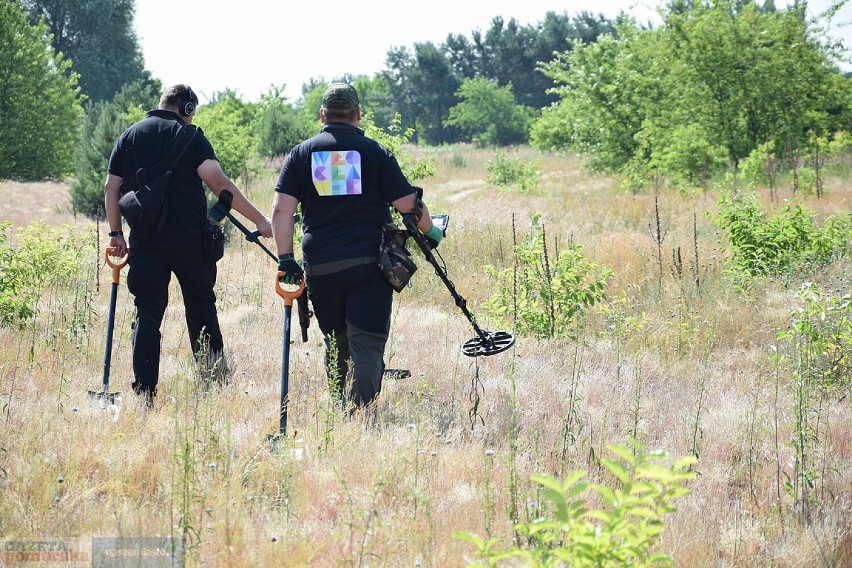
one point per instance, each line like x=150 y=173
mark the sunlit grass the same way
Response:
x=439 y=460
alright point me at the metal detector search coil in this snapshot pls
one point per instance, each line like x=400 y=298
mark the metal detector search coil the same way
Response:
x=486 y=342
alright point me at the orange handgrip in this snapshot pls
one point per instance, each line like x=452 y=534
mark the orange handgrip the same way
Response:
x=288 y=295
x=116 y=267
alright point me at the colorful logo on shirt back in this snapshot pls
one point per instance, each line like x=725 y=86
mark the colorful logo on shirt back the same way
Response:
x=336 y=172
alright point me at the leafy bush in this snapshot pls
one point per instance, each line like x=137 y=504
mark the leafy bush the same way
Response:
x=544 y=296
x=393 y=139
x=769 y=246
x=761 y=165
x=625 y=531
x=231 y=126
x=42 y=256
x=489 y=114
x=503 y=170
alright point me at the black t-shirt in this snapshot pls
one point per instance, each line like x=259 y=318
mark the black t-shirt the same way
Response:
x=345 y=183
x=144 y=144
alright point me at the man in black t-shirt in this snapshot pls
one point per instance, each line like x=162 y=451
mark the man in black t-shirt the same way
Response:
x=346 y=184
x=177 y=247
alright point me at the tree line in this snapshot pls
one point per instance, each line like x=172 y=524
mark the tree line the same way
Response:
x=719 y=85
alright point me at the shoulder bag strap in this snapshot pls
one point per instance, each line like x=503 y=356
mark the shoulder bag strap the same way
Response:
x=184 y=137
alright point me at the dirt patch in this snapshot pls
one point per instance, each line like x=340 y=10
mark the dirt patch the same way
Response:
x=25 y=203
x=458 y=190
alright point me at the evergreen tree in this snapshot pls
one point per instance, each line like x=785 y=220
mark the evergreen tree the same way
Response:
x=102 y=124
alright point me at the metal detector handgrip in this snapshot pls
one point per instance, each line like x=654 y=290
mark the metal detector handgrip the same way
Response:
x=221 y=210
x=418 y=237
x=288 y=295
x=116 y=266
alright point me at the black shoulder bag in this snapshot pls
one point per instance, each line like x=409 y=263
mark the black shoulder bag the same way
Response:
x=142 y=202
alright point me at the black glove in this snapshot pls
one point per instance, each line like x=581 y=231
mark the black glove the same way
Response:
x=292 y=272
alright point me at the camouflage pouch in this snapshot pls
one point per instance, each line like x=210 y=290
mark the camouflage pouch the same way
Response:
x=394 y=259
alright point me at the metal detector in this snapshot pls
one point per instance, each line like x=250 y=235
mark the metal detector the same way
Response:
x=104 y=395
x=222 y=209
x=218 y=212
x=485 y=342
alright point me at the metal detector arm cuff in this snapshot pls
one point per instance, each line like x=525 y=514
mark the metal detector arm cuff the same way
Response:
x=411 y=225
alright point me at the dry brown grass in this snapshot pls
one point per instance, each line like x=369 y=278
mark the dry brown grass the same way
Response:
x=394 y=494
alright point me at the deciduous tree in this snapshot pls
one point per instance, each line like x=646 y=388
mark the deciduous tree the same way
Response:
x=40 y=101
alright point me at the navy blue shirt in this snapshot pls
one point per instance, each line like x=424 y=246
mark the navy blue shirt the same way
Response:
x=345 y=183
x=144 y=144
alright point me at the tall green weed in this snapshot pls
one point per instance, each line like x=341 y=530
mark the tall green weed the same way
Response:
x=544 y=292
x=819 y=341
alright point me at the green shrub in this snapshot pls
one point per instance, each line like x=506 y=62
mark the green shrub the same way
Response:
x=503 y=170
x=760 y=245
x=625 y=531
x=41 y=257
x=231 y=126
x=544 y=294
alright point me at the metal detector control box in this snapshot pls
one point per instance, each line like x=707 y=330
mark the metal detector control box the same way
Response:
x=441 y=221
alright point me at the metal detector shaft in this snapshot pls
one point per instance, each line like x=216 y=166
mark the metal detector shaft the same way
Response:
x=110 y=327
x=288 y=296
x=485 y=343
x=427 y=252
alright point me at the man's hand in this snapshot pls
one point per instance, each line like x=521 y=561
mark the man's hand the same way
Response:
x=292 y=272
x=117 y=246
x=264 y=228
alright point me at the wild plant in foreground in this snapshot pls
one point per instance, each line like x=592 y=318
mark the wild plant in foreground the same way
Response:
x=625 y=531
x=820 y=340
x=39 y=255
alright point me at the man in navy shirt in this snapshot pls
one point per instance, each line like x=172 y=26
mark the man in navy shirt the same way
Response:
x=346 y=184
x=177 y=247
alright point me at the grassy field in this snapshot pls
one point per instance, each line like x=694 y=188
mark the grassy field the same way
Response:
x=678 y=359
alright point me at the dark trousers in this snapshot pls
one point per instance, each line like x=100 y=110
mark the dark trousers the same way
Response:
x=353 y=310
x=148 y=279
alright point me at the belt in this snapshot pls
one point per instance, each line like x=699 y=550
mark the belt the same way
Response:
x=326 y=268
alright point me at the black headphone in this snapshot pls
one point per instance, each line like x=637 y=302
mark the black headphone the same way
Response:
x=187 y=107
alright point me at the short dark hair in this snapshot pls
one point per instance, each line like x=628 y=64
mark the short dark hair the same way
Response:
x=178 y=95
x=340 y=115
